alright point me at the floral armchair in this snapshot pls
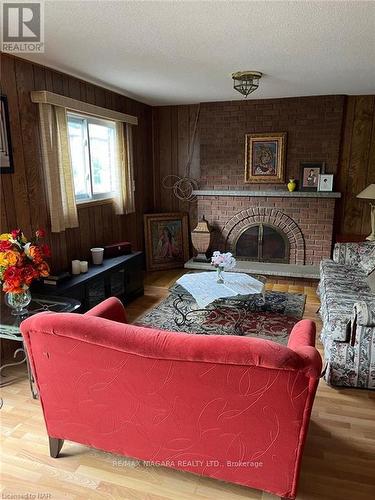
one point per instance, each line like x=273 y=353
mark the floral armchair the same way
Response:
x=348 y=314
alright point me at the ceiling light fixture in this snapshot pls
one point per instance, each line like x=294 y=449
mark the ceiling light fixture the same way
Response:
x=245 y=82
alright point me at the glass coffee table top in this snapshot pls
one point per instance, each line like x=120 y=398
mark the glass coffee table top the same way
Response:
x=9 y=324
x=10 y=329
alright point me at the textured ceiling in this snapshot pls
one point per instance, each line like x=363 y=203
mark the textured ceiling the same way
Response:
x=184 y=51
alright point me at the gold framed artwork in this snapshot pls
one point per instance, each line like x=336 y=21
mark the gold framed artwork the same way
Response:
x=265 y=158
x=167 y=240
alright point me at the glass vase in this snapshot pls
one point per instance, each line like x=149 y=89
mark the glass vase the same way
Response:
x=18 y=302
x=220 y=274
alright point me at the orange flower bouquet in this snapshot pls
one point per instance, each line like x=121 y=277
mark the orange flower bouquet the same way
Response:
x=21 y=262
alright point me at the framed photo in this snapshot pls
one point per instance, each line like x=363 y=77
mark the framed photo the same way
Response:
x=167 y=240
x=309 y=176
x=325 y=182
x=265 y=158
x=6 y=158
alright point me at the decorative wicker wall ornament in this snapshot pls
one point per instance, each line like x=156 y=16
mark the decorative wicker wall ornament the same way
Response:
x=183 y=186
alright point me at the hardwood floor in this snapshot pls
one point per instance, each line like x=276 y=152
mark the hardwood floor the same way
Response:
x=338 y=463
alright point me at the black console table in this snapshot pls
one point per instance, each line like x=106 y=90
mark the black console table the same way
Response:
x=118 y=276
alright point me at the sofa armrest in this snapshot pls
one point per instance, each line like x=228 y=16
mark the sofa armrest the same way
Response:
x=111 y=308
x=364 y=313
x=302 y=341
x=363 y=316
x=360 y=255
x=302 y=334
x=343 y=252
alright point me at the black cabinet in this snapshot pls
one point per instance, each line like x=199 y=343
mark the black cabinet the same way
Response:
x=121 y=277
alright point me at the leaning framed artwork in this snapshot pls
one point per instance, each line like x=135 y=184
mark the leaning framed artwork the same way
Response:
x=309 y=175
x=6 y=158
x=167 y=240
x=325 y=182
x=265 y=158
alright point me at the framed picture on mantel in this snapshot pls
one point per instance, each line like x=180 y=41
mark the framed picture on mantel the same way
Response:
x=309 y=175
x=265 y=158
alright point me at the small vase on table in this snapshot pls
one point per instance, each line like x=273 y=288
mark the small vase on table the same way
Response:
x=222 y=261
x=21 y=262
x=220 y=274
x=18 y=302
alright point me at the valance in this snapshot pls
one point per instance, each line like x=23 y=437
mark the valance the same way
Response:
x=43 y=96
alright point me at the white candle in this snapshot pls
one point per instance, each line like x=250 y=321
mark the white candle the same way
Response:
x=76 y=267
x=84 y=266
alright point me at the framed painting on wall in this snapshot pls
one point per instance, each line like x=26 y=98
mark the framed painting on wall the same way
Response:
x=265 y=158
x=167 y=240
x=6 y=158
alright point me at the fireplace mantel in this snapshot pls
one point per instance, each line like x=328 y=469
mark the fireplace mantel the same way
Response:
x=268 y=193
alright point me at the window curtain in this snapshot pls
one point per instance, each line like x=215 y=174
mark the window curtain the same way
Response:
x=57 y=166
x=124 y=202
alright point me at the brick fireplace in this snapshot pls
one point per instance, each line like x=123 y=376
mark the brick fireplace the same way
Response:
x=304 y=219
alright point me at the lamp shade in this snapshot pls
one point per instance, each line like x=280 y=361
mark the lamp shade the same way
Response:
x=368 y=193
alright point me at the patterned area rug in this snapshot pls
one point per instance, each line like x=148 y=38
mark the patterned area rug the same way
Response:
x=271 y=320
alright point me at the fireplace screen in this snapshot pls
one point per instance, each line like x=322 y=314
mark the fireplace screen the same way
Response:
x=263 y=243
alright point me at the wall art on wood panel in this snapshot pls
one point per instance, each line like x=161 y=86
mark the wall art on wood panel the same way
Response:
x=167 y=243
x=265 y=158
x=6 y=159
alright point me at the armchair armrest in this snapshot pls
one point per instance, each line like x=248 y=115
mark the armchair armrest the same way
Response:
x=111 y=308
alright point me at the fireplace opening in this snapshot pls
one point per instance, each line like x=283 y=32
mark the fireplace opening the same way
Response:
x=263 y=243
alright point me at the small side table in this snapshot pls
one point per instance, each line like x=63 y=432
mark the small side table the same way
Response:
x=9 y=328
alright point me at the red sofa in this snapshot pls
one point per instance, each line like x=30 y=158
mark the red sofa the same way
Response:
x=227 y=407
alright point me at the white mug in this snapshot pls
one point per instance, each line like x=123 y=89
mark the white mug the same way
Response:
x=97 y=255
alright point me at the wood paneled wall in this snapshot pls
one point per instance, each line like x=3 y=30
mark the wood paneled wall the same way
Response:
x=173 y=129
x=162 y=142
x=23 y=195
x=357 y=165
x=343 y=136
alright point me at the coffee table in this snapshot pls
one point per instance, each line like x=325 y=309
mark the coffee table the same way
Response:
x=187 y=310
x=9 y=329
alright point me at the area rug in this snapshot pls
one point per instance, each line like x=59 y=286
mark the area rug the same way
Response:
x=272 y=319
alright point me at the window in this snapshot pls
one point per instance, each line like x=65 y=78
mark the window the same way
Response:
x=93 y=152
